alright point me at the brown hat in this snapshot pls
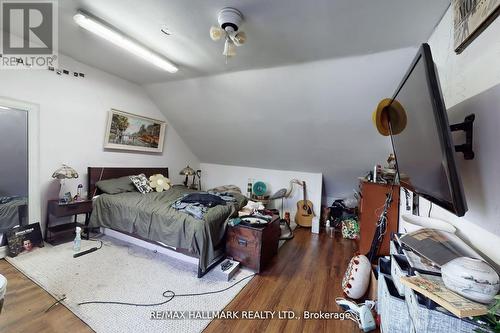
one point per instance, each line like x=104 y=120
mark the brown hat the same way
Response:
x=389 y=109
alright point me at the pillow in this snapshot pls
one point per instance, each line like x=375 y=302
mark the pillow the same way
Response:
x=116 y=185
x=159 y=182
x=357 y=277
x=141 y=183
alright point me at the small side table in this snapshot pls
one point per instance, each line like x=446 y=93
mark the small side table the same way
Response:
x=254 y=247
x=54 y=209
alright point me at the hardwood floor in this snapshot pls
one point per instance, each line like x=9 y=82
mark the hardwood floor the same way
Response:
x=25 y=305
x=305 y=275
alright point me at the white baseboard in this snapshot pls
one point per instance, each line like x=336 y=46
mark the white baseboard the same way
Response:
x=160 y=249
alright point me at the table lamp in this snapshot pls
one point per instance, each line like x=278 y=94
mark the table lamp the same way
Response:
x=187 y=171
x=63 y=173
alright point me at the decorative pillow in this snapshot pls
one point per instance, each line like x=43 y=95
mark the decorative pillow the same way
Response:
x=357 y=277
x=159 y=182
x=116 y=185
x=141 y=183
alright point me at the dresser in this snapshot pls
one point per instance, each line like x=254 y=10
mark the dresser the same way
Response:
x=372 y=201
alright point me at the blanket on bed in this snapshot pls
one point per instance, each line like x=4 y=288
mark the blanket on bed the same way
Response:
x=9 y=211
x=151 y=216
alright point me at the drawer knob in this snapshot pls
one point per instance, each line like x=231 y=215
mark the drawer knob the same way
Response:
x=242 y=242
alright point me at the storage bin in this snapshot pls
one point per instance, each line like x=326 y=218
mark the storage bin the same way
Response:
x=399 y=268
x=426 y=320
x=392 y=308
x=394 y=247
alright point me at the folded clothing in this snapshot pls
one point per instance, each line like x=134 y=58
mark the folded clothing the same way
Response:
x=227 y=189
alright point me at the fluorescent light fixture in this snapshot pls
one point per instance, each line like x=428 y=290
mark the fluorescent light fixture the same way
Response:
x=114 y=36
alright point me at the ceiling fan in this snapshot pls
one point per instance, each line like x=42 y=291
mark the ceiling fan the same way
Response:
x=229 y=20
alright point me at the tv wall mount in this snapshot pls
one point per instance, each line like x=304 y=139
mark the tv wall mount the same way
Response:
x=467 y=127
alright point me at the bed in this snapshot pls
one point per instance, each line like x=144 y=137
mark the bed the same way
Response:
x=13 y=211
x=150 y=217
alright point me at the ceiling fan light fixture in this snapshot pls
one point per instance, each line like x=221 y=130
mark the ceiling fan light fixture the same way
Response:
x=239 y=39
x=229 y=17
x=216 y=33
x=229 y=48
x=229 y=20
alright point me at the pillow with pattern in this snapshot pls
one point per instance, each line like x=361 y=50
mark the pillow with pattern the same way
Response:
x=141 y=183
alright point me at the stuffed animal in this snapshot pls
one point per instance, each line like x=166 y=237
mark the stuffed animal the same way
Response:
x=159 y=182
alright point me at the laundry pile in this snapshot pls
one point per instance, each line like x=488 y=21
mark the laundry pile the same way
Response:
x=197 y=204
x=253 y=214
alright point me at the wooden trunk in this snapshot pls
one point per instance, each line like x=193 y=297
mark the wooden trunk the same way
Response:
x=253 y=247
x=370 y=207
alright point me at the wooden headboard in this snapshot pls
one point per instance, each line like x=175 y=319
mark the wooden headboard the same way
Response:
x=96 y=174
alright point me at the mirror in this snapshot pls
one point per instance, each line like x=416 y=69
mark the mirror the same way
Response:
x=14 y=169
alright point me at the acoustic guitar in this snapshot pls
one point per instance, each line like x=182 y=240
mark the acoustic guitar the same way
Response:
x=305 y=212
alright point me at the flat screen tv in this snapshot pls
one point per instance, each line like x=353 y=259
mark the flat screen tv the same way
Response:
x=424 y=150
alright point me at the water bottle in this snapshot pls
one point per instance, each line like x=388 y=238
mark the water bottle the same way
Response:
x=329 y=229
x=78 y=240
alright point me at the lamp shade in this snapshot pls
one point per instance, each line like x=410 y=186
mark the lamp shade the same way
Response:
x=65 y=172
x=187 y=171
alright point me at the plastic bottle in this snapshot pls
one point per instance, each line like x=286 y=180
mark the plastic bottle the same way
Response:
x=329 y=229
x=249 y=188
x=78 y=240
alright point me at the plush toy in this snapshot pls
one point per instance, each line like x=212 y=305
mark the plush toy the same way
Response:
x=159 y=182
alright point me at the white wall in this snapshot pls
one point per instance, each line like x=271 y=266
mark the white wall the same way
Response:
x=473 y=71
x=215 y=175
x=470 y=83
x=73 y=114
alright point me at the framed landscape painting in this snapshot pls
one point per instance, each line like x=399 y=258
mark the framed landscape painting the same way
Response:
x=470 y=18
x=128 y=131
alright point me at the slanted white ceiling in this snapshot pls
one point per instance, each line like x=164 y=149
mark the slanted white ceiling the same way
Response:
x=313 y=117
x=279 y=32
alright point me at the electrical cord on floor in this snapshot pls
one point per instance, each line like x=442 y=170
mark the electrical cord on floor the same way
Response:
x=55 y=303
x=169 y=294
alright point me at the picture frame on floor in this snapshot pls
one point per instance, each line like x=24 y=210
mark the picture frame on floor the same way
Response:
x=24 y=239
x=127 y=131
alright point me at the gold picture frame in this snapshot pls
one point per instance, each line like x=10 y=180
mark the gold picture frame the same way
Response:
x=127 y=131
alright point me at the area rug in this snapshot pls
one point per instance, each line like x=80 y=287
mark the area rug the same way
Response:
x=126 y=273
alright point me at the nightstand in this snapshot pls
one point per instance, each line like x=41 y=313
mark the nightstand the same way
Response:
x=60 y=233
x=253 y=247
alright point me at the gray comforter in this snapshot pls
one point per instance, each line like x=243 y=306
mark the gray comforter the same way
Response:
x=150 y=216
x=9 y=212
